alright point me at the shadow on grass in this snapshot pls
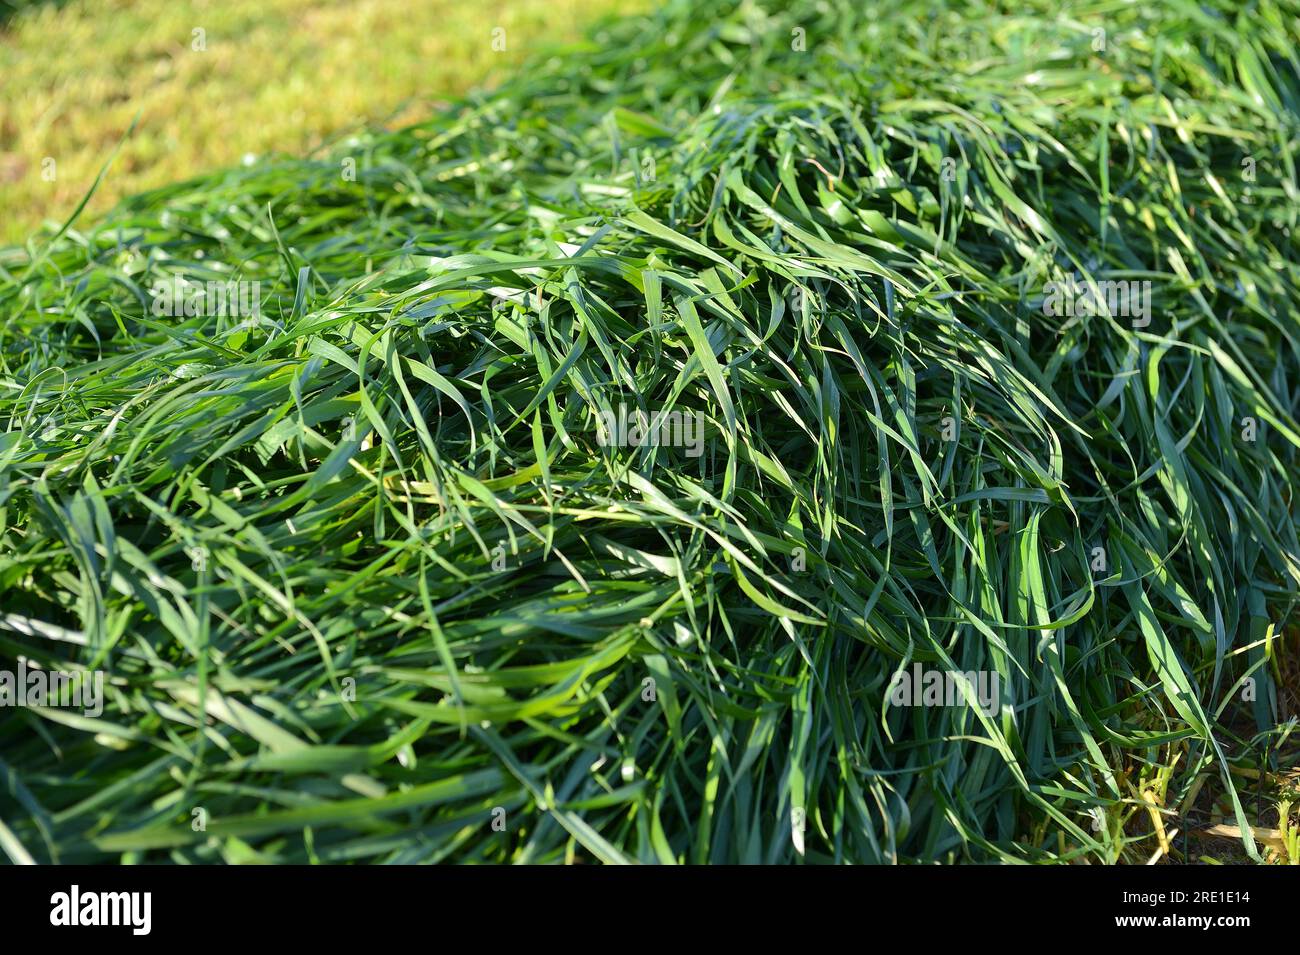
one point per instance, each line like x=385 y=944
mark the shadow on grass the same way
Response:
x=11 y=8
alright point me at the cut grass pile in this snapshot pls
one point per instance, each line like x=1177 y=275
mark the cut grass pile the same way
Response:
x=367 y=585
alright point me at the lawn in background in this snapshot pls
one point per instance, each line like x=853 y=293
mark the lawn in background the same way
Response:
x=263 y=76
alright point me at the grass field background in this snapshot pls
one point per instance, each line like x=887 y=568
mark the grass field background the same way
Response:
x=275 y=76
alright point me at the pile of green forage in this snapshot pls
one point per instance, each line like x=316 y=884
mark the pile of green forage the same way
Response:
x=367 y=581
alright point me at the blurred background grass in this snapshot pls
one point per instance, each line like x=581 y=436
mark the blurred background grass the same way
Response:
x=273 y=76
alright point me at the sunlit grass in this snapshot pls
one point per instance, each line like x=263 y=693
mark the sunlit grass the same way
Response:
x=273 y=76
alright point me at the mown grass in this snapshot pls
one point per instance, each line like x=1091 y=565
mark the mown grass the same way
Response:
x=365 y=581
x=265 y=77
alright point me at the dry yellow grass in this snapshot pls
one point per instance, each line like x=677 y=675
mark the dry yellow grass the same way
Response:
x=262 y=76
